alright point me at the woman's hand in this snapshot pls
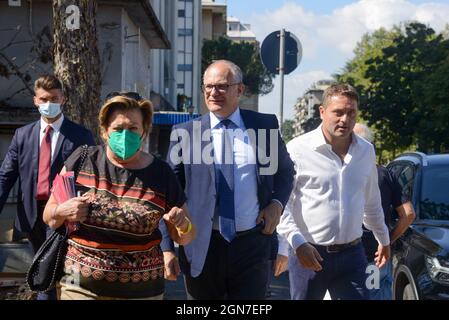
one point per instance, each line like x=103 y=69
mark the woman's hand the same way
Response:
x=171 y=266
x=179 y=225
x=73 y=210
x=177 y=217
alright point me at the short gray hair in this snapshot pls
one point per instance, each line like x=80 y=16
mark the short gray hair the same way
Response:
x=235 y=69
x=363 y=131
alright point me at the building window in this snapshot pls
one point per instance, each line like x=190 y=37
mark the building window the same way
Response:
x=181 y=13
x=180 y=86
x=185 y=67
x=185 y=32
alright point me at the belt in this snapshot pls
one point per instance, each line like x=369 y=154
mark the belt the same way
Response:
x=333 y=248
x=240 y=234
x=257 y=228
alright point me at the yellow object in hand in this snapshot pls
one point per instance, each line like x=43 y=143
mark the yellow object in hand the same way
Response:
x=189 y=228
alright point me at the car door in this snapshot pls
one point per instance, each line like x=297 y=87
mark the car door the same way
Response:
x=405 y=257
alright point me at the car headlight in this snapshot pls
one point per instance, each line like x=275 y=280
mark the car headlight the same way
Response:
x=437 y=270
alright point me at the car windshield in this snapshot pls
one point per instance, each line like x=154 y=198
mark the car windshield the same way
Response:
x=434 y=203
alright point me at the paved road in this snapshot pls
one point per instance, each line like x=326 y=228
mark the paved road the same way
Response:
x=15 y=257
x=174 y=290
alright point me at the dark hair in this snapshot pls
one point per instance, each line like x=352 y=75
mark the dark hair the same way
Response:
x=47 y=82
x=343 y=89
x=128 y=94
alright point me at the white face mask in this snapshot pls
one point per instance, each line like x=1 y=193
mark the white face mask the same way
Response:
x=50 y=110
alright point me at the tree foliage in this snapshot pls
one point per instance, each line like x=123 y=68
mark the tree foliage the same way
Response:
x=402 y=77
x=257 y=79
x=288 y=132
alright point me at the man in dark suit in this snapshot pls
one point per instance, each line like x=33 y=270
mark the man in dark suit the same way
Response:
x=36 y=154
x=237 y=176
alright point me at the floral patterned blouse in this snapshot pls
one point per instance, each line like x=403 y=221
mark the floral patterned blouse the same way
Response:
x=115 y=252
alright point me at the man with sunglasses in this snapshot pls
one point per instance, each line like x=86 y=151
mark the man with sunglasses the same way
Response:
x=235 y=203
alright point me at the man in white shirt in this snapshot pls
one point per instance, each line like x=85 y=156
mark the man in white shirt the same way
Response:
x=335 y=192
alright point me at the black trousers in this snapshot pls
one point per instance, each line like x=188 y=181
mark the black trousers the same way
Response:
x=233 y=271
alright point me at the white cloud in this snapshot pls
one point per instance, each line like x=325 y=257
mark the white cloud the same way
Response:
x=296 y=85
x=328 y=40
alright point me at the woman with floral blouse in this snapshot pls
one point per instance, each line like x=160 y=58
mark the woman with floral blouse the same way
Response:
x=114 y=253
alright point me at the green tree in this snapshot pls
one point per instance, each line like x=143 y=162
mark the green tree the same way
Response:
x=370 y=47
x=257 y=79
x=434 y=96
x=288 y=132
x=399 y=74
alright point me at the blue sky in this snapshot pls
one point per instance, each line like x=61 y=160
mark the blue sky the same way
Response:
x=328 y=30
x=244 y=8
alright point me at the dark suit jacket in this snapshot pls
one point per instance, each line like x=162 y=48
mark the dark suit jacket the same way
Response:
x=198 y=180
x=22 y=161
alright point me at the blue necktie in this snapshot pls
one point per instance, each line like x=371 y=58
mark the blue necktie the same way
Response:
x=225 y=185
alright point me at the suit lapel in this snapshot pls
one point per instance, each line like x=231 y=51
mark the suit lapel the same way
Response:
x=61 y=138
x=205 y=125
x=35 y=146
x=251 y=123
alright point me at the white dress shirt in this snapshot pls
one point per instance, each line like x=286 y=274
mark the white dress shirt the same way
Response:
x=246 y=203
x=331 y=198
x=54 y=135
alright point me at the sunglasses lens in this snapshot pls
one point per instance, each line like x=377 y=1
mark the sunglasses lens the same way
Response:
x=131 y=95
x=112 y=95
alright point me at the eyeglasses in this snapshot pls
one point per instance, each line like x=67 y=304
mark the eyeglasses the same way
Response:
x=220 y=87
x=130 y=94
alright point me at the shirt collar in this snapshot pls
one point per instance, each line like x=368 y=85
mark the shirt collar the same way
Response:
x=318 y=139
x=235 y=117
x=356 y=140
x=55 y=125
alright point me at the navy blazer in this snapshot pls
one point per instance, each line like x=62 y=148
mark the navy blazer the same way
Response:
x=22 y=161
x=198 y=180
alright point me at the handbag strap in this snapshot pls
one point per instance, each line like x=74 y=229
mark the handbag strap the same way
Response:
x=82 y=159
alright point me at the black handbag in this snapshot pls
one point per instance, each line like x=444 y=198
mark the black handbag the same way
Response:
x=48 y=263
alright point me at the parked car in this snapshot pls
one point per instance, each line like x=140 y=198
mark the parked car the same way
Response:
x=421 y=255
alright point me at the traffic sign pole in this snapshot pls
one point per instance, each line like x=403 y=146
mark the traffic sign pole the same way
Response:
x=281 y=74
x=281 y=53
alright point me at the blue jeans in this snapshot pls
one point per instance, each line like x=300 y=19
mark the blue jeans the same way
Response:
x=343 y=274
x=385 y=291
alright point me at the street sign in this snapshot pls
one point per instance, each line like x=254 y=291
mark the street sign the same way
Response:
x=270 y=49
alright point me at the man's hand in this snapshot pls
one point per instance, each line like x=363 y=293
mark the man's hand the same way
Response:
x=280 y=265
x=309 y=257
x=382 y=255
x=271 y=215
x=171 y=266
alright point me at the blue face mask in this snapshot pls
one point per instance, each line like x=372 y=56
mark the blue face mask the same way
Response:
x=49 y=110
